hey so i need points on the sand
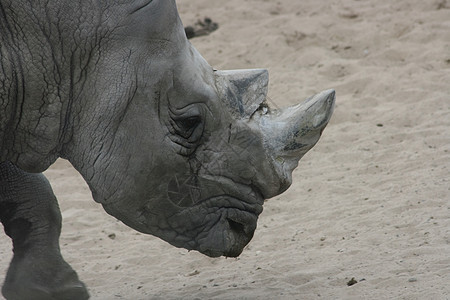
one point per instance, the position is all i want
(371, 201)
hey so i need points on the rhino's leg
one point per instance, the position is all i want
(30, 215)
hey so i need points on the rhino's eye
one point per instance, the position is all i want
(189, 128)
(188, 124)
(186, 127)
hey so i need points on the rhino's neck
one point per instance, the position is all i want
(46, 55)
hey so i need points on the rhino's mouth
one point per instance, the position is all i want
(221, 225)
(234, 226)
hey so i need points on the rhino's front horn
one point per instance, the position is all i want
(303, 123)
(292, 131)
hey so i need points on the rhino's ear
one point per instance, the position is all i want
(244, 90)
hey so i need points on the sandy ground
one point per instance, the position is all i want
(371, 201)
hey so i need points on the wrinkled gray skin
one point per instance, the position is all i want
(167, 144)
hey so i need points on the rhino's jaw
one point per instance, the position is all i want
(232, 227)
(218, 225)
(220, 221)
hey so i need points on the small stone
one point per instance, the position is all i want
(349, 15)
(352, 281)
(412, 279)
(196, 272)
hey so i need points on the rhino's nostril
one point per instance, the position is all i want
(236, 227)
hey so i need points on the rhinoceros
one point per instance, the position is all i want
(167, 144)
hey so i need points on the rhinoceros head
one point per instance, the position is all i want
(183, 151)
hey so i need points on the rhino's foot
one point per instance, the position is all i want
(31, 277)
(30, 215)
(36, 293)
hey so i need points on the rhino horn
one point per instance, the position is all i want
(293, 131)
(245, 90)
